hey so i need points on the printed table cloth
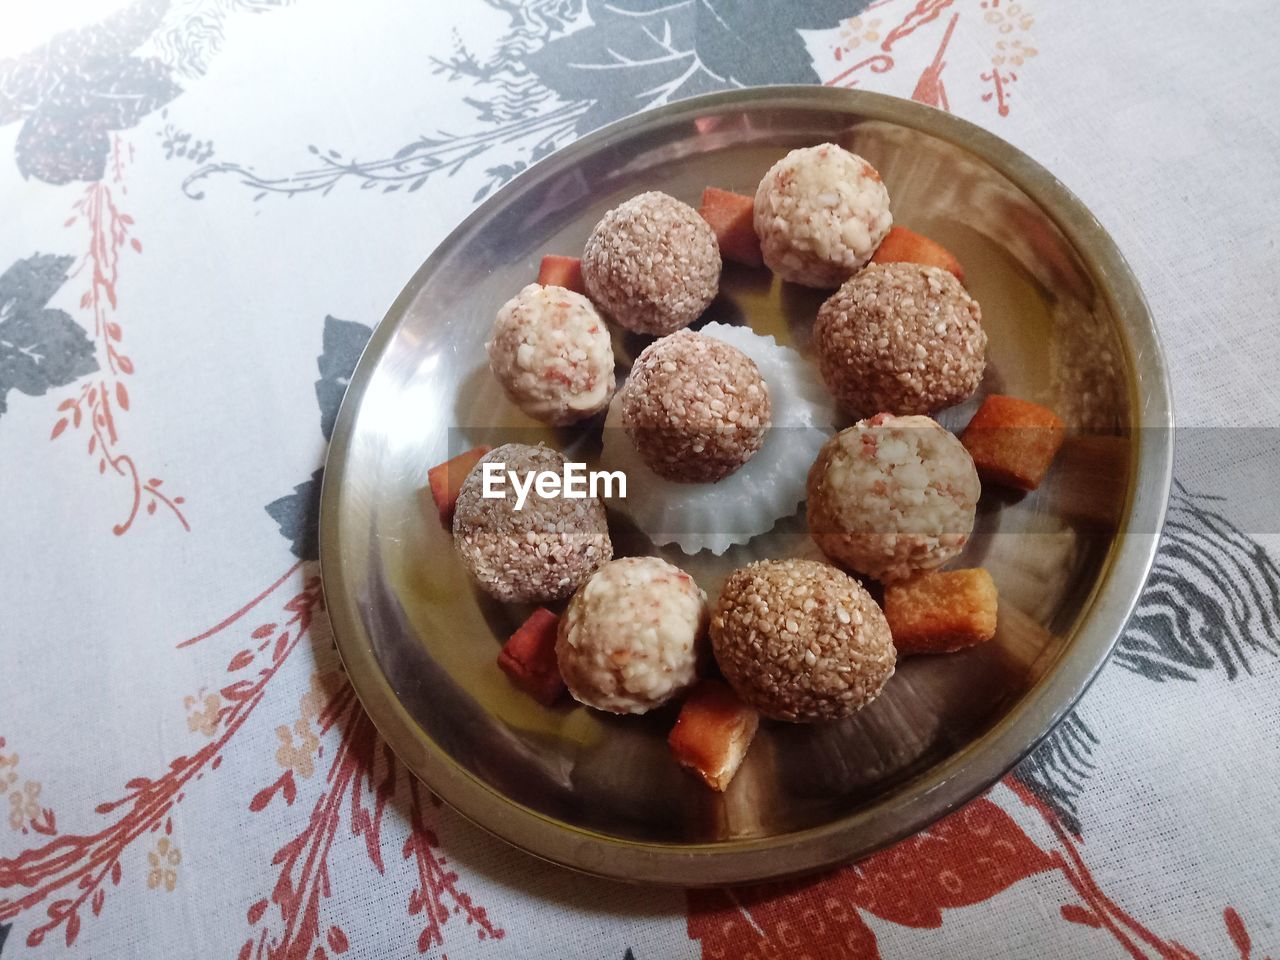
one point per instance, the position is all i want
(207, 204)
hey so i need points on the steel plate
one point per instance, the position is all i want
(1068, 326)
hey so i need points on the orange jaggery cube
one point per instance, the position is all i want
(901, 245)
(942, 611)
(732, 218)
(445, 480)
(1013, 441)
(529, 657)
(557, 271)
(713, 733)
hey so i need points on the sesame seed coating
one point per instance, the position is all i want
(695, 407)
(900, 338)
(891, 497)
(652, 264)
(552, 354)
(800, 640)
(633, 635)
(536, 554)
(820, 213)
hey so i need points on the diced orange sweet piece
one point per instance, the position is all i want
(713, 732)
(445, 480)
(566, 272)
(732, 217)
(942, 611)
(901, 245)
(1013, 441)
(529, 657)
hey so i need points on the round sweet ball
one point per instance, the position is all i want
(695, 407)
(820, 213)
(552, 354)
(652, 264)
(900, 338)
(537, 552)
(800, 640)
(633, 636)
(892, 497)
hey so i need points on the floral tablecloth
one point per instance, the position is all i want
(204, 207)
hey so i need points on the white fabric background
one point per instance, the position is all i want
(1162, 119)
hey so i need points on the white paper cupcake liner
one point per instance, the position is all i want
(748, 502)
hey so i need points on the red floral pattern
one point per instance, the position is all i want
(971, 856)
(363, 777)
(102, 398)
(83, 863)
(27, 812)
(1009, 49)
(968, 857)
(929, 88)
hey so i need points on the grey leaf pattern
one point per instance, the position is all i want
(193, 35)
(343, 342)
(1057, 770)
(1212, 602)
(40, 347)
(643, 53)
(73, 91)
(631, 58)
(298, 513)
(752, 43)
(564, 68)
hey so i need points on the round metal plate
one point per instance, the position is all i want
(1068, 327)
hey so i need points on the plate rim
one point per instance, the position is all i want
(921, 800)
